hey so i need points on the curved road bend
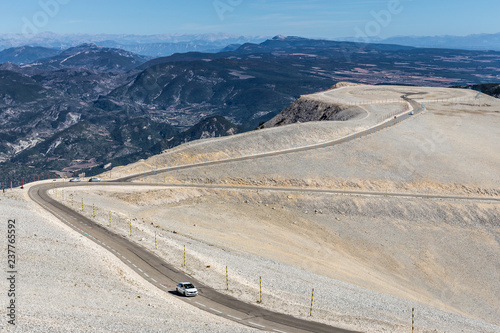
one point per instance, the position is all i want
(165, 277)
(416, 108)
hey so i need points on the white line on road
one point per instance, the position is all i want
(278, 331)
(200, 304)
(252, 323)
(146, 275)
(154, 280)
(234, 317)
(215, 310)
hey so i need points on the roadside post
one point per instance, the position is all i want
(412, 320)
(312, 302)
(260, 287)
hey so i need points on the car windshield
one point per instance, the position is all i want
(188, 286)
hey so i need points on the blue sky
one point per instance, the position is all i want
(312, 18)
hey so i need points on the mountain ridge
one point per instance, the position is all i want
(146, 45)
(26, 54)
(91, 56)
(479, 42)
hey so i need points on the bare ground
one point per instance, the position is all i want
(370, 259)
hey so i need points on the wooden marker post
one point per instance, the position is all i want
(412, 320)
(260, 286)
(312, 302)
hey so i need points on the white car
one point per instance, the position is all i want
(75, 180)
(187, 289)
(94, 179)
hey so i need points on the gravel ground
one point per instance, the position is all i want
(366, 281)
(370, 260)
(447, 134)
(361, 94)
(448, 149)
(66, 283)
(265, 140)
(447, 267)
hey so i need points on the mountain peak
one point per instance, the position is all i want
(279, 37)
(9, 66)
(85, 46)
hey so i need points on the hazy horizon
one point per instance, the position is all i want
(312, 19)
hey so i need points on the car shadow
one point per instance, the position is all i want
(175, 293)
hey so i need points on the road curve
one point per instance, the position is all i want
(165, 276)
(416, 108)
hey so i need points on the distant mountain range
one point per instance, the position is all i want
(483, 42)
(102, 106)
(91, 56)
(150, 45)
(167, 44)
(26, 54)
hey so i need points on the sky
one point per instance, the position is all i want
(313, 18)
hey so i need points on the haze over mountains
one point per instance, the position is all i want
(483, 42)
(168, 44)
(150, 45)
(99, 106)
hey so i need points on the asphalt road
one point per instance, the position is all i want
(416, 108)
(165, 277)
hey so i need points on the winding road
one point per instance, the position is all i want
(165, 276)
